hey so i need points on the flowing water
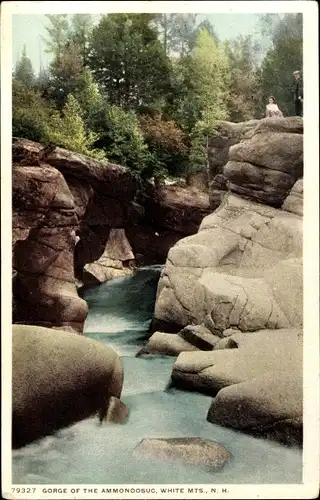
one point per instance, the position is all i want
(86, 453)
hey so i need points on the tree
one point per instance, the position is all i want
(176, 32)
(243, 78)
(285, 56)
(167, 145)
(210, 81)
(209, 75)
(58, 31)
(205, 24)
(31, 114)
(121, 138)
(69, 130)
(66, 72)
(89, 96)
(81, 29)
(128, 60)
(24, 71)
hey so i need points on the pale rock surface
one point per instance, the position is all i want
(226, 275)
(197, 452)
(169, 344)
(257, 353)
(117, 260)
(294, 201)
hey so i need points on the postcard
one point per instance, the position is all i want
(160, 250)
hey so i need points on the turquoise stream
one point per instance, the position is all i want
(86, 453)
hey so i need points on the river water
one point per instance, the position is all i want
(119, 315)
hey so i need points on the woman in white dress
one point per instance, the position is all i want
(272, 110)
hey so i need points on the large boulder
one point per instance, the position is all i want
(266, 166)
(44, 224)
(225, 135)
(168, 344)
(258, 159)
(257, 384)
(197, 452)
(59, 378)
(270, 406)
(228, 274)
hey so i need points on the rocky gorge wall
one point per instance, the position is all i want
(236, 286)
(231, 288)
(258, 169)
(76, 220)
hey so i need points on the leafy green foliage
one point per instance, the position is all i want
(69, 131)
(31, 114)
(209, 80)
(128, 60)
(121, 138)
(146, 90)
(284, 57)
(242, 62)
(166, 143)
(198, 156)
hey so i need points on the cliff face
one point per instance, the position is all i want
(216, 276)
(44, 223)
(236, 287)
(74, 217)
(258, 159)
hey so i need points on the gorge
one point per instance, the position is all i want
(228, 304)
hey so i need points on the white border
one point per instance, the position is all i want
(310, 487)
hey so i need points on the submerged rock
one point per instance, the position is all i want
(169, 344)
(197, 452)
(116, 412)
(58, 378)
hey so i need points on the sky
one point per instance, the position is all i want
(28, 29)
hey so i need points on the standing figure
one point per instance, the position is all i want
(272, 110)
(298, 94)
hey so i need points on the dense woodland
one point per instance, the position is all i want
(145, 90)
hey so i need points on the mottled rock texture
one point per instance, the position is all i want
(59, 378)
(258, 159)
(196, 452)
(77, 220)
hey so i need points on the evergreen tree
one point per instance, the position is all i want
(284, 57)
(69, 130)
(121, 138)
(58, 31)
(243, 78)
(66, 72)
(81, 29)
(24, 71)
(128, 60)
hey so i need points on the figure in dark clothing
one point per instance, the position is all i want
(298, 94)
